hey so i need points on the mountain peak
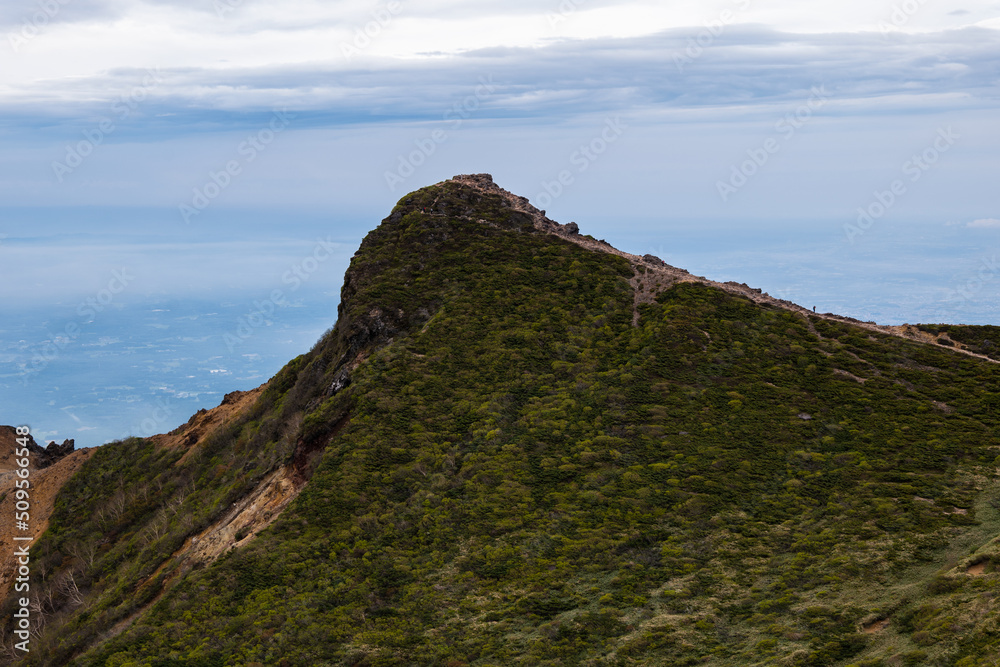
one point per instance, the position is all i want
(653, 275)
(519, 444)
(484, 183)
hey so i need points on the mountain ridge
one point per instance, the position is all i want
(646, 289)
(511, 449)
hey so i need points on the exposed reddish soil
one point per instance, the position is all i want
(977, 569)
(202, 423)
(45, 485)
(875, 626)
(260, 507)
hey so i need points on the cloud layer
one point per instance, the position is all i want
(745, 66)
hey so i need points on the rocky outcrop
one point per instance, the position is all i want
(340, 380)
(654, 260)
(40, 457)
(203, 423)
(53, 452)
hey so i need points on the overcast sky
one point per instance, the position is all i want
(167, 93)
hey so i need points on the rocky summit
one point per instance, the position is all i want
(521, 446)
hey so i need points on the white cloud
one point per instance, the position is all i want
(88, 38)
(985, 222)
(745, 65)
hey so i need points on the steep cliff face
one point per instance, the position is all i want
(519, 445)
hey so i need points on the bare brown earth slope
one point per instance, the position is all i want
(48, 477)
(45, 485)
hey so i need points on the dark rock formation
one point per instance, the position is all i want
(654, 260)
(43, 458)
(232, 397)
(340, 381)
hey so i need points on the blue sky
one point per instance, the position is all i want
(841, 154)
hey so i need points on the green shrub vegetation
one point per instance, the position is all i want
(983, 340)
(513, 473)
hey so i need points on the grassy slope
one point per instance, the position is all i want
(521, 476)
(980, 339)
